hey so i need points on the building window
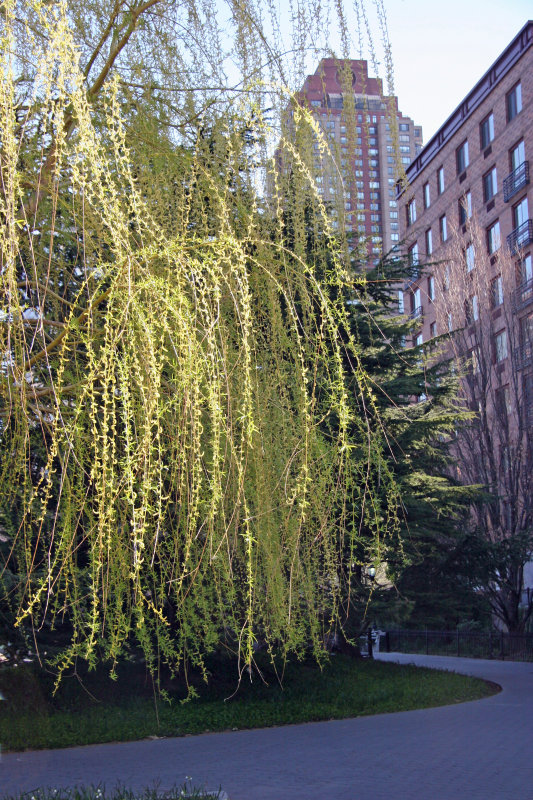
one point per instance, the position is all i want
(493, 237)
(440, 180)
(490, 185)
(496, 291)
(470, 257)
(419, 339)
(413, 255)
(517, 155)
(474, 356)
(526, 331)
(429, 242)
(433, 330)
(503, 401)
(461, 157)
(524, 273)
(520, 213)
(486, 130)
(514, 102)
(403, 126)
(401, 307)
(427, 195)
(500, 346)
(527, 394)
(431, 287)
(411, 211)
(475, 308)
(443, 225)
(416, 302)
(465, 208)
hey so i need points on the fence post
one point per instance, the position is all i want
(502, 652)
(369, 638)
(387, 642)
(427, 642)
(457, 642)
(490, 643)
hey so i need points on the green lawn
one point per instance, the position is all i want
(91, 708)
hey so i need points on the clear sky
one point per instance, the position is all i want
(441, 48)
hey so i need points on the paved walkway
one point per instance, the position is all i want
(473, 751)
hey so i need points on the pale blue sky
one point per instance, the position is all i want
(441, 49)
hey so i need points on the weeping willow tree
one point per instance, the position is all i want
(182, 460)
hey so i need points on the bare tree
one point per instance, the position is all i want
(483, 298)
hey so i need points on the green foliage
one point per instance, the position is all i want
(88, 710)
(185, 792)
(171, 356)
(416, 408)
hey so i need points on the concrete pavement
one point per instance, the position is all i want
(481, 750)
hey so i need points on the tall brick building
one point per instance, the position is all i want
(475, 166)
(466, 212)
(372, 142)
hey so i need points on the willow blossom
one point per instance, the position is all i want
(181, 461)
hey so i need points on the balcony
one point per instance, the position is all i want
(523, 356)
(523, 295)
(520, 237)
(518, 178)
(416, 312)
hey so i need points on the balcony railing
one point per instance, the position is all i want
(523, 356)
(416, 312)
(520, 237)
(523, 295)
(517, 179)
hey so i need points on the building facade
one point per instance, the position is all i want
(466, 214)
(371, 142)
(476, 167)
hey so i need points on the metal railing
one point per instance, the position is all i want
(523, 356)
(523, 295)
(515, 181)
(466, 644)
(520, 237)
(416, 312)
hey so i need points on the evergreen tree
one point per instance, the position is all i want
(416, 407)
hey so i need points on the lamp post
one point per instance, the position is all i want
(371, 573)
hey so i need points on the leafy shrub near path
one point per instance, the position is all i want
(184, 792)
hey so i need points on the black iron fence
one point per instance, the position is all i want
(468, 644)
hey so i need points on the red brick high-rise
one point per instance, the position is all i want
(373, 143)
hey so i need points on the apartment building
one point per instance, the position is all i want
(468, 197)
(474, 169)
(371, 143)
(466, 214)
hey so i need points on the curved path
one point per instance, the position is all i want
(481, 750)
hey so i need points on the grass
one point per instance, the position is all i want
(90, 708)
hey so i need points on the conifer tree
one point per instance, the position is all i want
(416, 405)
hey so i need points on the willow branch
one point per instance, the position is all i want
(59, 338)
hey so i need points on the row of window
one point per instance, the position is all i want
(517, 157)
(493, 235)
(513, 105)
(471, 307)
